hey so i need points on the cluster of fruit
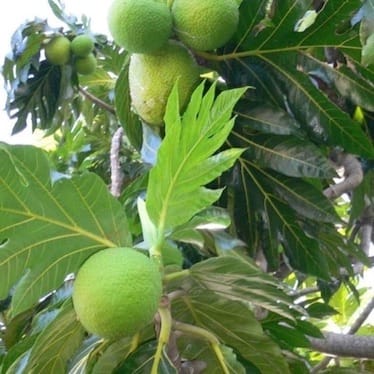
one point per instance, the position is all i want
(80, 51)
(160, 38)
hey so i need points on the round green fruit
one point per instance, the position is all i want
(139, 26)
(85, 65)
(152, 77)
(57, 51)
(205, 25)
(117, 292)
(82, 45)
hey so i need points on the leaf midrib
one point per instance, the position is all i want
(75, 229)
(173, 182)
(272, 151)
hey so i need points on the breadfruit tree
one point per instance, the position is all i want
(205, 202)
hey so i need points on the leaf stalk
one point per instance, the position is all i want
(163, 339)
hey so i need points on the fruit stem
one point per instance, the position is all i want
(176, 275)
(134, 342)
(163, 339)
(205, 335)
(155, 252)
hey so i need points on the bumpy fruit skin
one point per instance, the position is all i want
(205, 25)
(82, 45)
(85, 65)
(57, 51)
(152, 77)
(140, 26)
(117, 292)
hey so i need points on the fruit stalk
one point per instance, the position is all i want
(155, 251)
(163, 339)
(176, 275)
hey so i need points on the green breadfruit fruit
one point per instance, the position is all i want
(139, 26)
(152, 77)
(205, 25)
(82, 45)
(85, 65)
(58, 51)
(117, 292)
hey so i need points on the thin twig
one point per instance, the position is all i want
(362, 317)
(102, 104)
(304, 291)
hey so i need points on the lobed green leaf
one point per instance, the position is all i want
(186, 160)
(65, 223)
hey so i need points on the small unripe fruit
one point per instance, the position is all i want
(82, 45)
(117, 292)
(85, 65)
(57, 51)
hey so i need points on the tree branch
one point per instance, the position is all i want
(353, 175)
(304, 291)
(115, 165)
(367, 223)
(346, 345)
(102, 104)
(362, 317)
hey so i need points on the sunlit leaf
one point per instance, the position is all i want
(66, 222)
(186, 161)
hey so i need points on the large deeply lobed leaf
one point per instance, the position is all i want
(185, 160)
(48, 230)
